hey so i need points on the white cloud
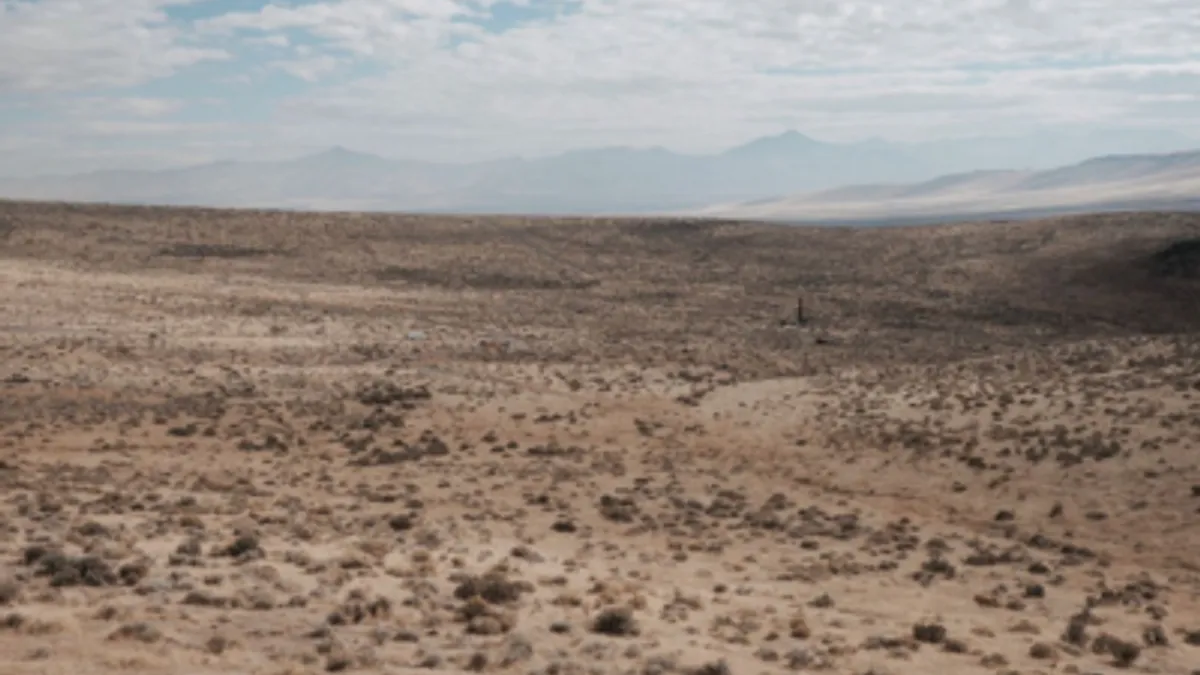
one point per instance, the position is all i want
(138, 107)
(64, 45)
(309, 68)
(704, 72)
(137, 128)
(690, 74)
(361, 27)
(276, 40)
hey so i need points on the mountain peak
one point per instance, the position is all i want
(789, 138)
(793, 136)
(616, 151)
(786, 142)
(340, 153)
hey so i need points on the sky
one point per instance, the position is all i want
(88, 84)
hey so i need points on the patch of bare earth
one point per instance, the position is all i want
(255, 442)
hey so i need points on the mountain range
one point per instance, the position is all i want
(755, 178)
(1111, 183)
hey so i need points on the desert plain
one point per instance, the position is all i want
(283, 443)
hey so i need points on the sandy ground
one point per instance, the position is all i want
(312, 451)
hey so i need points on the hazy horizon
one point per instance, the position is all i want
(1119, 142)
(148, 84)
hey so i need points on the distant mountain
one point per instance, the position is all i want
(601, 180)
(1104, 183)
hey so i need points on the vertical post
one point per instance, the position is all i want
(800, 310)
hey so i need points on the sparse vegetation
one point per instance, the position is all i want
(560, 447)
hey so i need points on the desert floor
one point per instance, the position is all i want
(251, 442)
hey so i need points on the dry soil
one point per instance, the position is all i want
(255, 442)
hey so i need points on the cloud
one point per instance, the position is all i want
(66, 45)
(277, 40)
(467, 78)
(309, 68)
(679, 70)
(137, 107)
(141, 128)
(362, 27)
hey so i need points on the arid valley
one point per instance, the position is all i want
(284, 443)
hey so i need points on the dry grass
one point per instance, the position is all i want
(290, 443)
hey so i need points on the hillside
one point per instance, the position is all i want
(298, 443)
(588, 181)
(1123, 182)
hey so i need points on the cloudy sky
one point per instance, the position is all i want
(141, 83)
